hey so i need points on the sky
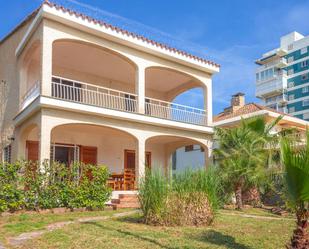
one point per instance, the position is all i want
(233, 33)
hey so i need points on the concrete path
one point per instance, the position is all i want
(256, 216)
(22, 238)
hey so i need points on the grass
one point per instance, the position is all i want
(228, 231)
(19, 223)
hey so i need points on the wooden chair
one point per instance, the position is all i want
(111, 183)
(129, 179)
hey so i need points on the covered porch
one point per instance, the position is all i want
(116, 149)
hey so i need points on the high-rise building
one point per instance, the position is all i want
(282, 78)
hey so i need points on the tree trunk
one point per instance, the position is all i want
(238, 195)
(300, 239)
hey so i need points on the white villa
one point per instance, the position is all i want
(80, 89)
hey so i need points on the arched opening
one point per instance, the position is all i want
(165, 89)
(174, 153)
(29, 143)
(30, 72)
(92, 144)
(87, 73)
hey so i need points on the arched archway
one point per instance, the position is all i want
(163, 147)
(92, 144)
(93, 64)
(30, 72)
(163, 85)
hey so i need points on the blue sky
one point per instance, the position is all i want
(232, 33)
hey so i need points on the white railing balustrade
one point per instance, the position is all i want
(89, 94)
(175, 112)
(30, 95)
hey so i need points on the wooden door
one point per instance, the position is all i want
(32, 149)
(88, 154)
(129, 159)
(148, 159)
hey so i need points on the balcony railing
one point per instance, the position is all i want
(30, 95)
(175, 112)
(85, 93)
(81, 92)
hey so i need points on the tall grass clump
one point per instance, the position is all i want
(189, 198)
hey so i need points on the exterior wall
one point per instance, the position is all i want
(9, 104)
(189, 159)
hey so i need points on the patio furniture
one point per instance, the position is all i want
(129, 179)
(117, 181)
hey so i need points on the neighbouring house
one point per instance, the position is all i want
(232, 115)
(81, 89)
(282, 77)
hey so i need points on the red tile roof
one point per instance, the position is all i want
(117, 29)
(246, 109)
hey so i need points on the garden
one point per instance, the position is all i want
(235, 203)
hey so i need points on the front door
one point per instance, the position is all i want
(129, 159)
(32, 148)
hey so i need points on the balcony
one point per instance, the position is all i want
(271, 86)
(89, 94)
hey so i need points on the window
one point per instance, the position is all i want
(292, 109)
(306, 115)
(304, 64)
(305, 89)
(291, 96)
(290, 59)
(189, 148)
(290, 47)
(257, 77)
(7, 152)
(306, 102)
(304, 77)
(304, 50)
(290, 71)
(291, 84)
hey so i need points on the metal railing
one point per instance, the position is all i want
(30, 95)
(175, 112)
(89, 94)
(81, 92)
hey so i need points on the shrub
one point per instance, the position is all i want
(11, 196)
(190, 198)
(52, 185)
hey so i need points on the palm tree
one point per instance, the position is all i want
(296, 162)
(242, 155)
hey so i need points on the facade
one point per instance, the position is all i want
(282, 78)
(238, 110)
(79, 89)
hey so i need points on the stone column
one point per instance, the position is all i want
(44, 140)
(207, 89)
(46, 62)
(140, 88)
(140, 160)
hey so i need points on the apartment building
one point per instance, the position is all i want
(81, 89)
(282, 78)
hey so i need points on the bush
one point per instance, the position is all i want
(11, 196)
(190, 198)
(25, 185)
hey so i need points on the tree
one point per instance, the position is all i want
(243, 153)
(295, 159)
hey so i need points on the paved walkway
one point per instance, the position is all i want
(255, 216)
(20, 239)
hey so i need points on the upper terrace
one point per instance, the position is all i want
(84, 62)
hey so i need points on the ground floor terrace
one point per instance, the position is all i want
(125, 147)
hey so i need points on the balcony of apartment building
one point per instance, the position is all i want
(270, 82)
(95, 76)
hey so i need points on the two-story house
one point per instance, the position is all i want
(80, 89)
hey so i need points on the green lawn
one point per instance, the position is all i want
(228, 231)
